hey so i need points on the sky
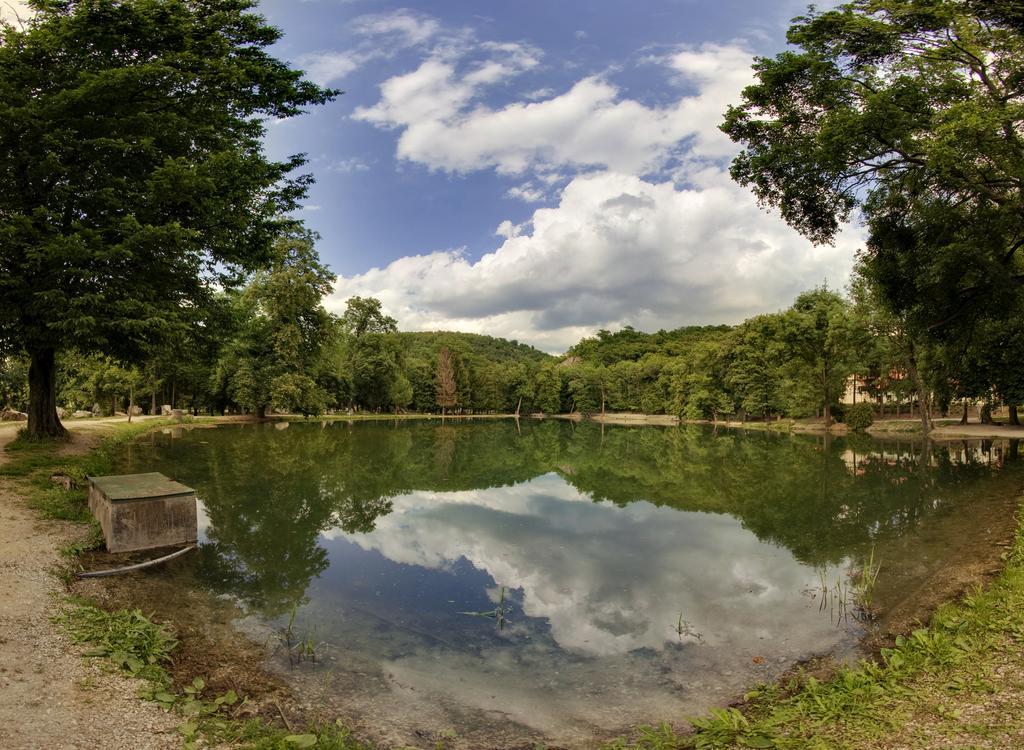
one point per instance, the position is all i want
(539, 170)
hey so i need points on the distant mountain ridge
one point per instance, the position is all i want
(628, 344)
(425, 344)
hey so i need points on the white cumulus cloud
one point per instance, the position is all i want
(406, 26)
(381, 35)
(617, 250)
(648, 229)
(589, 125)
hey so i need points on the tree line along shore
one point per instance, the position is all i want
(273, 347)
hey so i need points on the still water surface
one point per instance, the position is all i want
(641, 574)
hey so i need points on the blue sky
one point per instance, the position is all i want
(541, 169)
(371, 207)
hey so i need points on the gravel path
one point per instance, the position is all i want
(50, 696)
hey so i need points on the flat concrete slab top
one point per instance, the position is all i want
(139, 486)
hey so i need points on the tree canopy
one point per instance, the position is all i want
(907, 114)
(133, 180)
(881, 96)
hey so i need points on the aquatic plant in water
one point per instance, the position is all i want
(864, 586)
(849, 598)
(682, 627)
(299, 648)
(499, 614)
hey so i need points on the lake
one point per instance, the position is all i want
(500, 584)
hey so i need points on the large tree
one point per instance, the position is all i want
(823, 342)
(911, 113)
(445, 381)
(277, 358)
(371, 357)
(133, 179)
(883, 95)
(756, 359)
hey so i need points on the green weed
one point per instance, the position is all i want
(299, 648)
(92, 541)
(499, 614)
(864, 586)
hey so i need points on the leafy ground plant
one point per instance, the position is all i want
(128, 638)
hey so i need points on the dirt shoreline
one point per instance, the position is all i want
(950, 429)
(51, 696)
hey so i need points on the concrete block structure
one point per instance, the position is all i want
(143, 511)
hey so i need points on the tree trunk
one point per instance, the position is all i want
(152, 402)
(826, 413)
(1014, 419)
(261, 412)
(518, 404)
(131, 402)
(42, 396)
(926, 417)
(963, 417)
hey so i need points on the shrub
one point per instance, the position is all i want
(860, 416)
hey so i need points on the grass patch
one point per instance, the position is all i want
(902, 426)
(25, 440)
(141, 648)
(386, 417)
(927, 673)
(32, 462)
(93, 541)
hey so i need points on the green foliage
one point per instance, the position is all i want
(278, 349)
(423, 345)
(365, 315)
(876, 97)
(95, 379)
(132, 173)
(93, 541)
(278, 353)
(859, 416)
(908, 113)
(628, 344)
(128, 638)
(822, 340)
(548, 397)
(446, 385)
(143, 649)
(13, 383)
(755, 371)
